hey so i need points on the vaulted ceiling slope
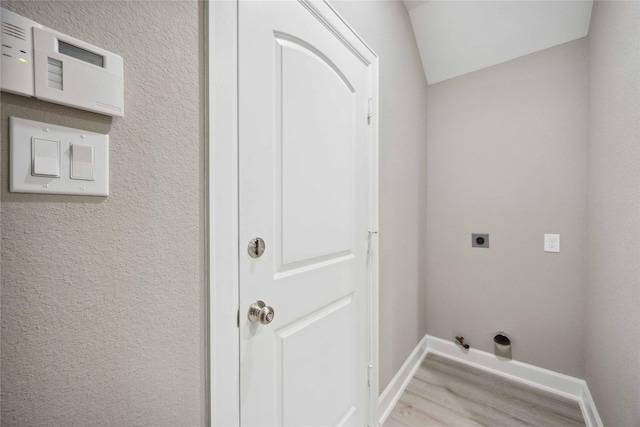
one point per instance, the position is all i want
(457, 37)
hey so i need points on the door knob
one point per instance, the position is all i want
(259, 312)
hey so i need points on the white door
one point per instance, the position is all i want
(305, 189)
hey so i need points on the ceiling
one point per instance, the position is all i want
(456, 37)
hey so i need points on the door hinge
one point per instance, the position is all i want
(238, 319)
(369, 237)
(369, 369)
(369, 110)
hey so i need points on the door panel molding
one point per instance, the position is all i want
(299, 324)
(303, 266)
(294, 42)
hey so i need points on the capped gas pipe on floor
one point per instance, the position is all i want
(460, 340)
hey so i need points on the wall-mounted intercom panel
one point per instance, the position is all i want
(38, 61)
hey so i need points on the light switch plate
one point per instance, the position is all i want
(552, 243)
(21, 134)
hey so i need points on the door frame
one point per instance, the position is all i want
(221, 179)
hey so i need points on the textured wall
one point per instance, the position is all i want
(507, 156)
(386, 27)
(613, 315)
(102, 298)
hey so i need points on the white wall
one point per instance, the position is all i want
(507, 156)
(613, 308)
(103, 298)
(385, 26)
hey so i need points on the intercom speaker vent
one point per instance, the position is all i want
(13, 31)
(55, 74)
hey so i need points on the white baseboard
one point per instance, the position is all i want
(554, 382)
(389, 397)
(589, 410)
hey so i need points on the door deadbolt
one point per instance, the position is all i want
(259, 312)
(256, 247)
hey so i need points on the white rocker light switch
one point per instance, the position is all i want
(82, 162)
(45, 158)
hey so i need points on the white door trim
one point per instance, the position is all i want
(222, 110)
(222, 231)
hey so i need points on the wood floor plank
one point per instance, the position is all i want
(446, 393)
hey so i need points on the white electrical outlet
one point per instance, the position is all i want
(552, 243)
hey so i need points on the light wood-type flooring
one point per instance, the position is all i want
(447, 393)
